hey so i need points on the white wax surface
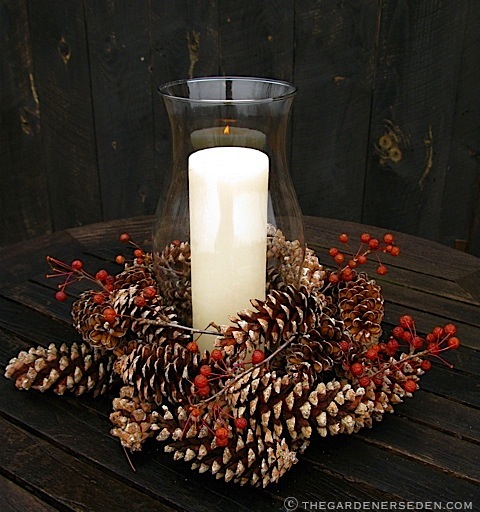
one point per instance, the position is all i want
(215, 136)
(228, 194)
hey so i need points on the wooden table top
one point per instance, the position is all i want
(57, 452)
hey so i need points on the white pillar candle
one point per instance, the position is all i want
(228, 195)
(227, 136)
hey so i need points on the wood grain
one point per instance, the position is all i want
(417, 67)
(334, 51)
(62, 78)
(122, 92)
(24, 202)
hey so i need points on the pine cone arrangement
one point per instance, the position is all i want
(309, 359)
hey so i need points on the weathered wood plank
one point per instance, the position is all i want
(456, 419)
(460, 212)
(257, 38)
(417, 66)
(438, 450)
(119, 52)
(63, 84)
(334, 50)
(13, 498)
(393, 473)
(62, 479)
(24, 204)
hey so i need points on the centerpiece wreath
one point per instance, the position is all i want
(310, 358)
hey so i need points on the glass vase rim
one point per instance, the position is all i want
(291, 90)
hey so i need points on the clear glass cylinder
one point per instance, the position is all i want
(226, 111)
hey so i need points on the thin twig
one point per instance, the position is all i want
(248, 370)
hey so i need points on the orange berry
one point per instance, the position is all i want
(109, 314)
(381, 270)
(192, 346)
(258, 356)
(453, 343)
(216, 355)
(333, 278)
(221, 433)
(60, 296)
(356, 369)
(410, 386)
(388, 238)
(240, 422)
(203, 391)
(343, 238)
(450, 329)
(77, 265)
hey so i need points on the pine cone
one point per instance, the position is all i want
(134, 419)
(159, 370)
(361, 308)
(311, 352)
(74, 369)
(130, 323)
(284, 257)
(249, 456)
(140, 275)
(281, 316)
(272, 402)
(173, 272)
(89, 321)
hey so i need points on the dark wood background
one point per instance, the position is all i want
(84, 135)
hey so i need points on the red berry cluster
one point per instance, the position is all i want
(204, 382)
(206, 390)
(348, 261)
(76, 272)
(379, 360)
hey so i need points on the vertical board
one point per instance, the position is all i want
(62, 80)
(417, 69)
(334, 49)
(184, 43)
(257, 38)
(119, 50)
(460, 217)
(24, 207)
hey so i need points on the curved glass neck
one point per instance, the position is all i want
(229, 111)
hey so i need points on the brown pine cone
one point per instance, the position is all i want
(159, 370)
(173, 270)
(131, 321)
(273, 402)
(280, 317)
(284, 257)
(140, 275)
(73, 369)
(361, 309)
(134, 419)
(247, 457)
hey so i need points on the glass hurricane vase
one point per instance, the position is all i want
(215, 112)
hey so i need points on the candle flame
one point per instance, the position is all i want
(226, 130)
